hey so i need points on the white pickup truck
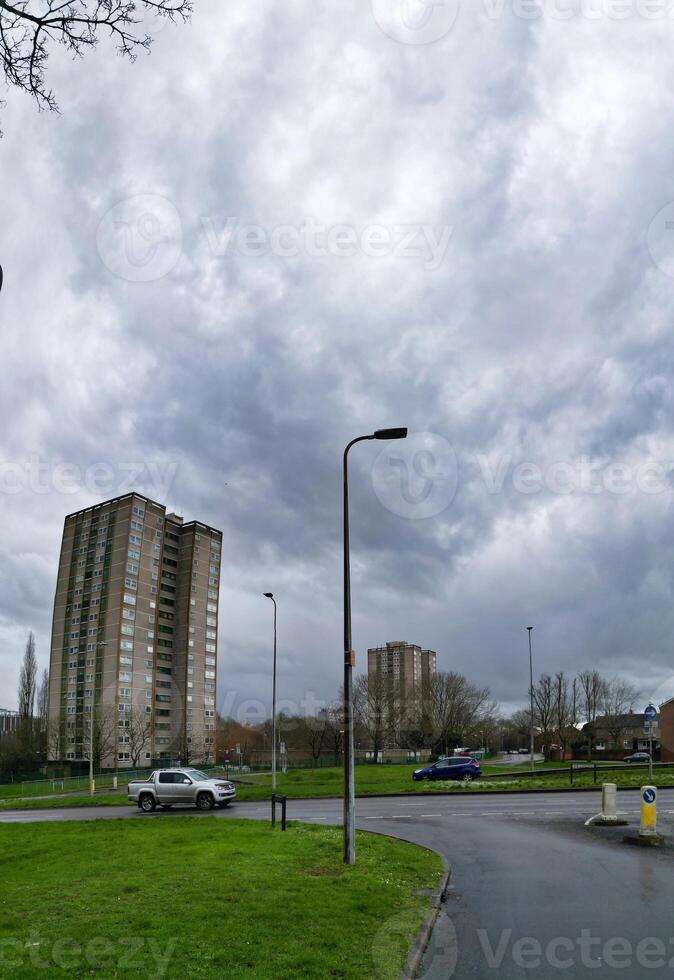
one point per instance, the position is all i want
(176, 787)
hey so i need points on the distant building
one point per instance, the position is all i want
(408, 666)
(9, 722)
(667, 731)
(624, 734)
(134, 635)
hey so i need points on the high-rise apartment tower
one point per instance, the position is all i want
(134, 637)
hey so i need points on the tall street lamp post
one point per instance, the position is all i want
(92, 784)
(531, 702)
(270, 595)
(349, 660)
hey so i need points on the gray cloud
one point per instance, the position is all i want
(543, 337)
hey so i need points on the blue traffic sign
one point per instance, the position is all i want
(650, 713)
(649, 795)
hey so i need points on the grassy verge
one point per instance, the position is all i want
(325, 783)
(206, 898)
(66, 802)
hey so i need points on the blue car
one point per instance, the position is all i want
(456, 767)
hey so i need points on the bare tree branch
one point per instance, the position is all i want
(30, 28)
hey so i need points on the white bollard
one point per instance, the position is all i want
(609, 807)
(609, 802)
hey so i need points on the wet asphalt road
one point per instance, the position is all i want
(533, 893)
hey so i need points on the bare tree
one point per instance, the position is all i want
(43, 700)
(138, 731)
(592, 691)
(104, 731)
(544, 710)
(29, 29)
(28, 680)
(455, 709)
(617, 704)
(375, 709)
(335, 728)
(312, 732)
(56, 740)
(564, 710)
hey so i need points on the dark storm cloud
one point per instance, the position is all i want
(541, 339)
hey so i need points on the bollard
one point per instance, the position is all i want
(283, 801)
(114, 782)
(609, 801)
(649, 812)
(609, 808)
(92, 787)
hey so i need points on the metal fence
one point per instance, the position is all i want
(71, 784)
(579, 768)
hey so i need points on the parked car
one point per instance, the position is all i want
(456, 767)
(176, 787)
(637, 757)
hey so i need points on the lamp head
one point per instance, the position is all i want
(269, 595)
(388, 434)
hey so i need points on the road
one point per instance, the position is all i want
(534, 894)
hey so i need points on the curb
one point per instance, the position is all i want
(416, 954)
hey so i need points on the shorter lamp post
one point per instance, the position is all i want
(531, 702)
(270, 595)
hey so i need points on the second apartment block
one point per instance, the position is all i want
(406, 665)
(134, 637)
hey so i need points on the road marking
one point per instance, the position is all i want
(430, 814)
(374, 818)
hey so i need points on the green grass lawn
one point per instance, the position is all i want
(316, 783)
(206, 898)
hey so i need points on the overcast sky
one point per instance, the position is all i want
(292, 224)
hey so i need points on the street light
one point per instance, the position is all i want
(349, 659)
(92, 784)
(531, 702)
(270, 595)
